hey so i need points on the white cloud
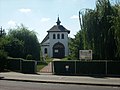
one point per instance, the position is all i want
(25, 10)
(74, 17)
(11, 23)
(45, 19)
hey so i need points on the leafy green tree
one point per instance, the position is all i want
(75, 44)
(106, 40)
(15, 48)
(3, 55)
(100, 32)
(116, 27)
(29, 38)
(3, 42)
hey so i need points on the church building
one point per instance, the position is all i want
(55, 44)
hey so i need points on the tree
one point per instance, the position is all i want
(3, 42)
(75, 44)
(15, 48)
(100, 31)
(3, 54)
(29, 39)
(116, 27)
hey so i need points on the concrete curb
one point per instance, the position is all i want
(60, 82)
(1, 77)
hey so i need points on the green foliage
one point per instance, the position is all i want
(28, 40)
(3, 42)
(15, 48)
(75, 45)
(41, 65)
(100, 32)
(3, 60)
(116, 27)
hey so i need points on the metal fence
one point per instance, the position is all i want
(86, 67)
(21, 65)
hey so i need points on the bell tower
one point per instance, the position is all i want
(56, 41)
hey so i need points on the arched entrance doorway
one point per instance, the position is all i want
(58, 50)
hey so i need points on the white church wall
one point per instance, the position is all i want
(63, 41)
(43, 51)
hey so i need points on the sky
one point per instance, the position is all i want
(41, 15)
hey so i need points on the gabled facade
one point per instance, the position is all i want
(55, 44)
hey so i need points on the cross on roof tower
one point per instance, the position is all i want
(58, 21)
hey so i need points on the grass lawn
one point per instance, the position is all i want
(40, 66)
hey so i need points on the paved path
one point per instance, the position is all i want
(80, 80)
(48, 68)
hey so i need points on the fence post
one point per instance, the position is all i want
(75, 67)
(106, 67)
(35, 66)
(52, 67)
(20, 66)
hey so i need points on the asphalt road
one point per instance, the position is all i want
(13, 85)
